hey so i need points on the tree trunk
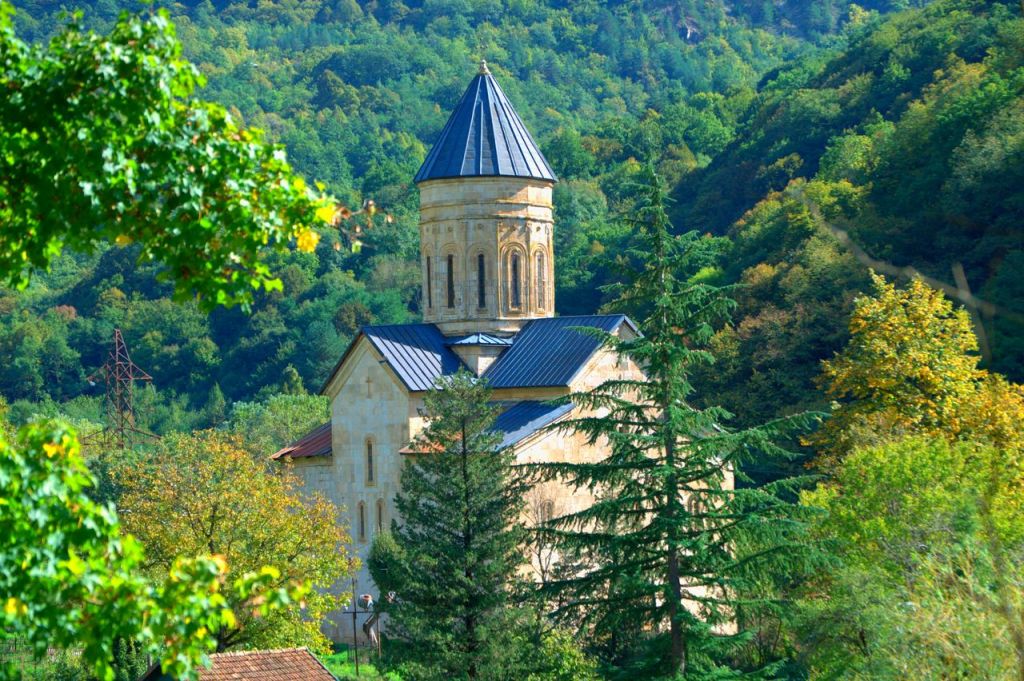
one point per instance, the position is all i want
(674, 581)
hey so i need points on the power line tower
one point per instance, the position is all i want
(119, 373)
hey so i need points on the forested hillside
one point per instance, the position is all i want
(903, 129)
(910, 139)
(814, 211)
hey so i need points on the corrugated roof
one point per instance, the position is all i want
(417, 353)
(549, 352)
(523, 419)
(545, 353)
(484, 137)
(515, 423)
(481, 339)
(317, 442)
(288, 664)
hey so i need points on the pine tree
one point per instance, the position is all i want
(670, 543)
(459, 543)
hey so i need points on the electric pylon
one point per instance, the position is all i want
(119, 373)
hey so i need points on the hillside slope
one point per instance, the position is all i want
(911, 141)
(904, 130)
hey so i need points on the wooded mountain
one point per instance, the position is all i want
(906, 130)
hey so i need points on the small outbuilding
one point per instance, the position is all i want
(287, 664)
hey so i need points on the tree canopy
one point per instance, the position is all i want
(101, 140)
(205, 493)
(73, 579)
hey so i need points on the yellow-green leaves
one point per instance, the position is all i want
(251, 517)
(909, 365)
(143, 164)
(74, 579)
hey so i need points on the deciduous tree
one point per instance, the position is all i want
(927, 579)
(101, 140)
(205, 493)
(70, 578)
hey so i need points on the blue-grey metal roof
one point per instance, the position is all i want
(523, 419)
(481, 339)
(416, 352)
(549, 352)
(483, 137)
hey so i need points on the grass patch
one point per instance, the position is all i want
(342, 664)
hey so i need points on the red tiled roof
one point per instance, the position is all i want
(286, 664)
(315, 443)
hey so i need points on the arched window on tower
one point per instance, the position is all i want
(361, 521)
(515, 295)
(430, 284)
(542, 280)
(451, 280)
(380, 515)
(481, 282)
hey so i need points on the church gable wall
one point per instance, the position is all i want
(370, 420)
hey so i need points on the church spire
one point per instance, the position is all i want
(485, 137)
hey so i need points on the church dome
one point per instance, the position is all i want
(484, 137)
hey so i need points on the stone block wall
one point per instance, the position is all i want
(498, 219)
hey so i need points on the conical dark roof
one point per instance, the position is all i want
(485, 137)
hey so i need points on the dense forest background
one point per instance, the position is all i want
(781, 128)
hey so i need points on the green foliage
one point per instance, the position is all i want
(73, 579)
(139, 161)
(269, 425)
(924, 505)
(669, 546)
(906, 136)
(457, 550)
(560, 659)
(918, 589)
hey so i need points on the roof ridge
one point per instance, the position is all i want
(264, 651)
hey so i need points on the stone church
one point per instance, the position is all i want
(487, 262)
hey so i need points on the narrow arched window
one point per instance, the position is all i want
(370, 472)
(451, 281)
(380, 515)
(481, 282)
(430, 284)
(516, 296)
(547, 511)
(362, 521)
(542, 280)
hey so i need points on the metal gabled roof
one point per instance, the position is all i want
(516, 422)
(484, 137)
(549, 352)
(316, 442)
(417, 353)
(523, 419)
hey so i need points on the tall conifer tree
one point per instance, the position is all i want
(669, 543)
(459, 543)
